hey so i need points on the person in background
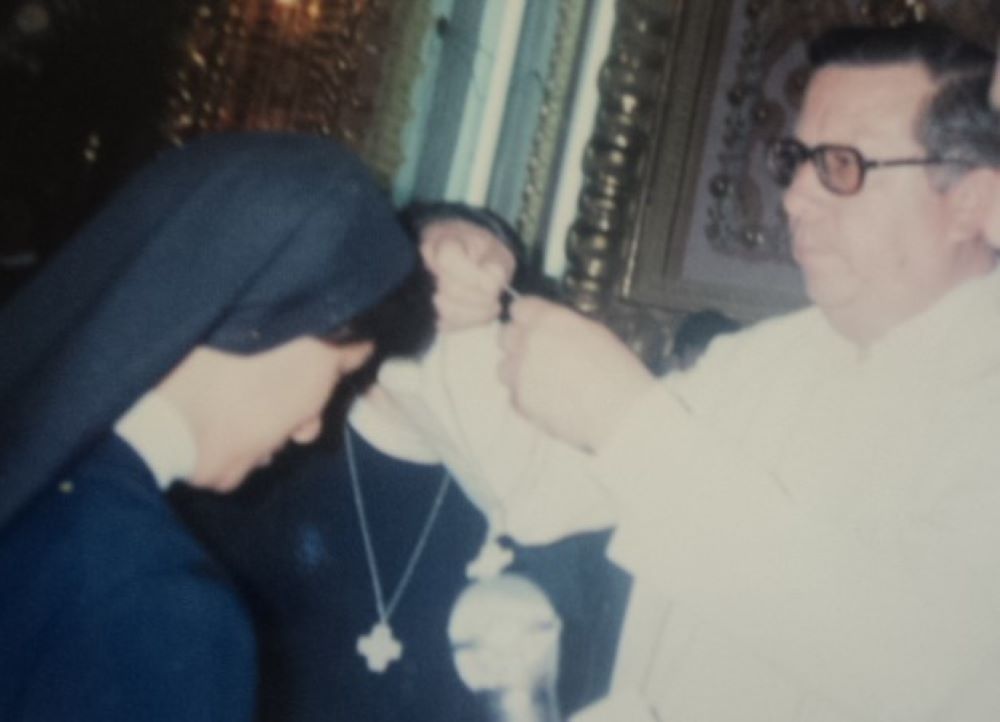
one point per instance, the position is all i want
(307, 538)
(695, 333)
(809, 513)
(194, 327)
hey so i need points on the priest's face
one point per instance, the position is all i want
(874, 257)
(243, 409)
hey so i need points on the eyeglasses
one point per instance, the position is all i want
(841, 168)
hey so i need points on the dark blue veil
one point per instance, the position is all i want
(237, 241)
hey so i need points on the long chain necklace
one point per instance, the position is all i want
(380, 647)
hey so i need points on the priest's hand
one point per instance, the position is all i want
(568, 374)
(471, 267)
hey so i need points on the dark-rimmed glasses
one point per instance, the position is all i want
(840, 168)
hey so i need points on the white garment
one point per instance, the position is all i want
(161, 436)
(815, 530)
(526, 485)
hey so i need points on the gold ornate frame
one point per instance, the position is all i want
(343, 68)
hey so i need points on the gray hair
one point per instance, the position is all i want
(961, 125)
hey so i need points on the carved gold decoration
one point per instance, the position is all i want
(306, 65)
(613, 158)
(612, 166)
(393, 107)
(542, 165)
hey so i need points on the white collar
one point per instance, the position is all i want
(388, 430)
(159, 434)
(962, 311)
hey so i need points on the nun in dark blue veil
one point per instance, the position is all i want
(240, 244)
(295, 537)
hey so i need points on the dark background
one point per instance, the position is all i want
(85, 84)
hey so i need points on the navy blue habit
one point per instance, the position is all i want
(110, 610)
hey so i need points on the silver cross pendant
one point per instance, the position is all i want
(379, 647)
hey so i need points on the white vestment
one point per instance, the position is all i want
(814, 530)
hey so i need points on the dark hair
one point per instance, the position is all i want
(422, 213)
(401, 324)
(961, 124)
(527, 279)
(940, 49)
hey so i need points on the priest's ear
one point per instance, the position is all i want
(974, 207)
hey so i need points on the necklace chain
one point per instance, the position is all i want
(385, 610)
